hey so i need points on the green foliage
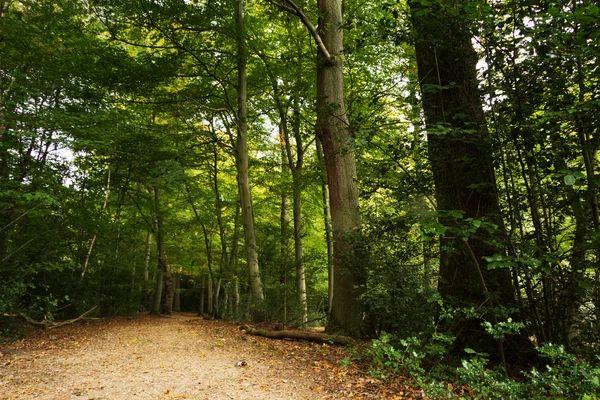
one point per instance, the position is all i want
(10, 298)
(564, 376)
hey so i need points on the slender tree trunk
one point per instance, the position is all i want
(327, 222)
(242, 161)
(237, 297)
(147, 258)
(333, 130)
(224, 268)
(217, 300)
(210, 296)
(5, 217)
(164, 274)
(233, 260)
(589, 147)
(298, 231)
(211, 277)
(284, 220)
(91, 248)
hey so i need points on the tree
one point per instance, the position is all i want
(256, 287)
(346, 314)
(461, 159)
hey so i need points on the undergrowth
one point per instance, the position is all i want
(560, 376)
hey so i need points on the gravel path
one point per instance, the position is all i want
(180, 357)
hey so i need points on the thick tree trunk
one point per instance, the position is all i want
(461, 160)
(333, 130)
(242, 162)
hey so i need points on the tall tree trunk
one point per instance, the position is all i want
(461, 160)
(284, 220)
(163, 267)
(5, 219)
(298, 231)
(224, 267)
(233, 259)
(242, 161)
(327, 222)
(333, 130)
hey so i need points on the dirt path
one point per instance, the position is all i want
(183, 357)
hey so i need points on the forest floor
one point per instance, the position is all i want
(179, 357)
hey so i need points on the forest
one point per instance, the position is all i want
(420, 174)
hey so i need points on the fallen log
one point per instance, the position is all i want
(50, 324)
(303, 335)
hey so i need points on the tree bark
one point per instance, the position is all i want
(255, 282)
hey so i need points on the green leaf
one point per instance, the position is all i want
(570, 179)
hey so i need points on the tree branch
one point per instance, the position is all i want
(292, 8)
